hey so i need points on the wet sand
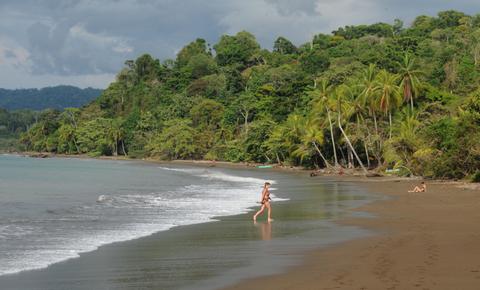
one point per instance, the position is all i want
(425, 241)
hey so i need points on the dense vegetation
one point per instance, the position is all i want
(58, 97)
(12, 124)
(369, 96)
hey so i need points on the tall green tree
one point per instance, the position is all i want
(324, 103)
(389, 95)
(344, 111)
(236, 49)
(409, 79)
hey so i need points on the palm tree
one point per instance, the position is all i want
(325, 103)
(309, 135)
(314, 135)
(66, 133)
(368, 93)
(344, 110)
(409, 79)
(389, 94)
(369, 97)
(116, 134)
(360, 112)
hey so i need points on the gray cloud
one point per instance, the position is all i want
(287, 7)
(85, 42)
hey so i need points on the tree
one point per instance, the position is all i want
(207, 114)
(193, 49)
(368, 94)
(314, 62)
(236, 49)
(200, 65)
(116, 135)
(284, 46)
(343, 112)
(312, 135)
(397, 26)
(324, 103)
(176, 141)
(409, 82)
(246, 105)
(389, 95)
(146, 67)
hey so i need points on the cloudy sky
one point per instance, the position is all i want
(85, 42)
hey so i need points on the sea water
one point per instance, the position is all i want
(54, 209)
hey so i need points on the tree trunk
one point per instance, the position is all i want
(123, 149)
(321, 155)
(278, 158)
(245, 116)
(366, 153)
(411, 102)
(351, 164)
(343, 156)
(390, 124)
(332, 137)
(367, 138)
(350, 145)
(268, 158)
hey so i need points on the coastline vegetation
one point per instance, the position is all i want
(12, 125)
(378, 96)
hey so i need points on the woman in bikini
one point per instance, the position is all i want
(265, 203)
(421, 188)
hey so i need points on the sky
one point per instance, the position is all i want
(86, 42)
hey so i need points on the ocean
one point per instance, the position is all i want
(53, 209)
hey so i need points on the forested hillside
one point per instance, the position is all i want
(58, 97)
(368, 96)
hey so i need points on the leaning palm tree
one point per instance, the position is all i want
(409, 82)
(368, 97)
(313, 135)
(344, 110)
(359, 114)
(325, 103)
(389, 94)
(309, 135)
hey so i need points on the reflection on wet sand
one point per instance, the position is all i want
(265, 229)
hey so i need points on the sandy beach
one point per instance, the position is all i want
(425, 241)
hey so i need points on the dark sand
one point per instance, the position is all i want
(426, 241)
(217, 254)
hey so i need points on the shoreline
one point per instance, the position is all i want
(211, 163)
(351, 175)
(345, 175)
(424, 241)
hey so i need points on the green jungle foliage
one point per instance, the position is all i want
(368, 96)
(12, 125)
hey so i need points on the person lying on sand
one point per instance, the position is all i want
(265, 203)
(421, 188)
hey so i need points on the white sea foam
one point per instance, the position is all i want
(208, 173)
(64, 234)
